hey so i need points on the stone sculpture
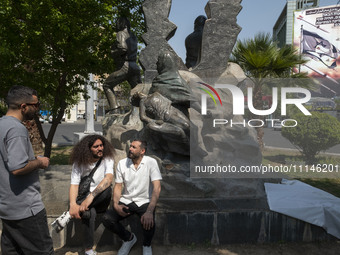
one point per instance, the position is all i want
(155, 102)
(219, 37)
(169, 85)
(124, 52)
(161, 117)
(193, 43)
(159, 31)
(169, 82)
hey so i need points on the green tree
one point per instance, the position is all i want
(313, 134)
(52, 46)
(261, 59)
(337, 101)
(3, 108)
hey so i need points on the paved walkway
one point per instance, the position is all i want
(324, 248)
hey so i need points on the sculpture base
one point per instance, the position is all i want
(186, 214)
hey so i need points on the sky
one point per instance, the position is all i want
(256, 16)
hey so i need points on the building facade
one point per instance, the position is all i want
(283, 28)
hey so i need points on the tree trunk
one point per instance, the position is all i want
(60, 103)
(35, 136)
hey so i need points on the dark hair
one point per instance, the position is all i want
(136, 98)
(81, 154)
(122, 22)
(18, 95)
(143, 143)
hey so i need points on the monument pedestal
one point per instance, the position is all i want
(185, 216)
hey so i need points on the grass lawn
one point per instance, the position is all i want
(325, 175)
(60, 155)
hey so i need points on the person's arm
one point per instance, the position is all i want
(38, 163)
(120, 47)
(142, 112)
(74, 207)
(121, 40)
(117, 192)
(103, 185)
(147, 218)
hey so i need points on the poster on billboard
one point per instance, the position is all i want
(317, 37)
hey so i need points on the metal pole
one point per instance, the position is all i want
(89, 108)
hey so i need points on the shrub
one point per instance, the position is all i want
(313, 134)
(3, 108)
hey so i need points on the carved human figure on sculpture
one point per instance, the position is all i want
(124, 53)
(156, 111)
(193, 43)
(169, 82)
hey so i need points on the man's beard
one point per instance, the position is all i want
(29, 116)
(130, 155)
(97, 156)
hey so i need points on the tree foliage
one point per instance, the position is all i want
(313, 134)
(3, 108)
(261, 60)
(52, 46)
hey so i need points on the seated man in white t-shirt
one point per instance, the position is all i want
(141, 178)
(90, 152)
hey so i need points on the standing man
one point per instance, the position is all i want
(137, 172)
(22, 211)
(93, 151)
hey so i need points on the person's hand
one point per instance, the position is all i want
(159, 122)
(84, 206)
(44, 162)
(122, 210)
(74, 211)
(147, 220)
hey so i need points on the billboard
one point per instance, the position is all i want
(317, 37)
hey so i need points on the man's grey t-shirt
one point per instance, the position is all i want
(19, 195)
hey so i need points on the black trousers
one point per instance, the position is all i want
(111, 221)
(28, 236)
(99, 205)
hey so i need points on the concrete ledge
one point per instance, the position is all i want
(205, 227)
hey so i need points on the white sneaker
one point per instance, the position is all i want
(147, 250)
(61, 221)
(126, 246)
(90, 252)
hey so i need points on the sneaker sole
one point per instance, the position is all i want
(131, 245)
(56, 226)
